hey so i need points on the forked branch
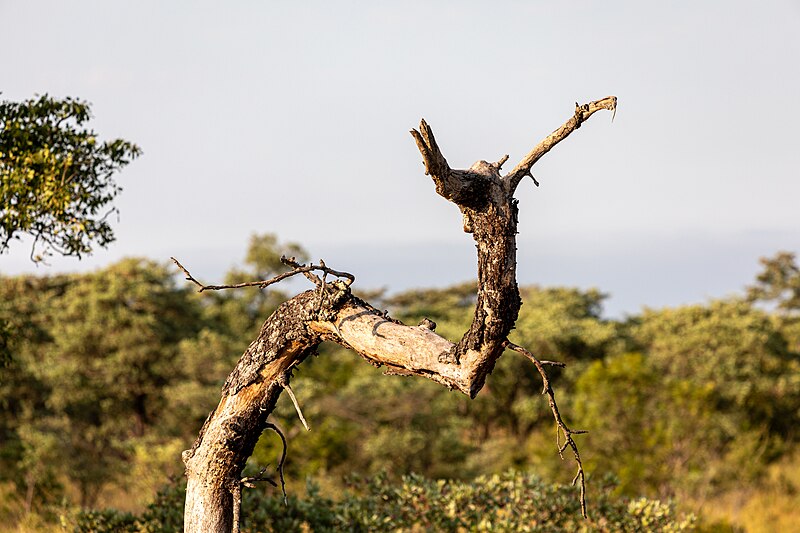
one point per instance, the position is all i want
(435, 164)
(568, 433)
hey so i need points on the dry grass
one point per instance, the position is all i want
(774, 506)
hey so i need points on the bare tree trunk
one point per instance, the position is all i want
(330, 312)
(229, 435)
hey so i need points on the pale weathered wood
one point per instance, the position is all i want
(214, 464)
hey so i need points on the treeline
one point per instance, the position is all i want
(107, 376)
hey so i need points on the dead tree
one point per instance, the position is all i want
(330, 312)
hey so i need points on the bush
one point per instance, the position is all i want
(514, 501)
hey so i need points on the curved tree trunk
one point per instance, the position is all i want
(330, 312)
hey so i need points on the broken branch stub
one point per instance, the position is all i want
(330, 312)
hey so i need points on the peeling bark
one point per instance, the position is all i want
(215, 462)
(330, 312)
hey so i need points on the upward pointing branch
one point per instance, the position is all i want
(462, 187)
(458, 186)
(582, 113)
(435, 164)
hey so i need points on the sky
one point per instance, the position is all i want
(293, 118)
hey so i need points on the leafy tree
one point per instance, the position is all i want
(565, 323)
(89, 381)
(709, 399)
(734, 348)
(56, 177)
(660, 435)
(450, 307)
(22, 393)
(110, 373)
(779, 282)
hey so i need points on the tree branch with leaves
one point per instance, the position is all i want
(57, 179)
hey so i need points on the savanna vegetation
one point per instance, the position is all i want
(106, 377)
(691, 411)
(57, 178)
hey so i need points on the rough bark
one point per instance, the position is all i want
(229, 435)
(330, 312)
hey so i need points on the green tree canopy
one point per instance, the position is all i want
(779, 282)
(56, 178)
(732, 347)
(96, 355)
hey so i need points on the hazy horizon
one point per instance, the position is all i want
(293, 119)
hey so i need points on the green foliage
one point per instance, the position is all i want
(111, 374)
(163, 515)
(263, 256)
(735, 350)
(513, 501)
(564, 324)
(778, 285)
(91, 377)
(450, 308)
(6, 336)
(648, 429)
(779, 282)
(710, 398)
(56, 178)
(106, 520)
(561, 324)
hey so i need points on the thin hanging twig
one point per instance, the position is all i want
(283, 382)
(567, 432)
(277, 430)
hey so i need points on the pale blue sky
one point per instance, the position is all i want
(293, 118)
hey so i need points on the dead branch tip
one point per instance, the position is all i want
(581, 114)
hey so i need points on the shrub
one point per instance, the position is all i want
(514, 501)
